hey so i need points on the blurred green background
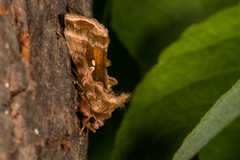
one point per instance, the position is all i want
(177, 57)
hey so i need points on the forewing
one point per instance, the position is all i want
(88, 40)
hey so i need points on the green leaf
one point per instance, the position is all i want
(218, 117)
(225, 146)
(190, 77)
(147, 27)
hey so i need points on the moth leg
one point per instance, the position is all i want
(75, 71)
(75, 81)
(84, 94)
(58, 33)
(87, 124)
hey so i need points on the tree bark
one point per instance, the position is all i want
(38, 108)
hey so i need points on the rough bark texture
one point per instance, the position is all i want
(38, 117)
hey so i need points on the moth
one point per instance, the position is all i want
(88, 42)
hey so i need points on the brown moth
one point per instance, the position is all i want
(88, 43)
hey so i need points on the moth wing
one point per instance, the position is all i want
(88, 40)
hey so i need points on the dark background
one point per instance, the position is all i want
(125, 69)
